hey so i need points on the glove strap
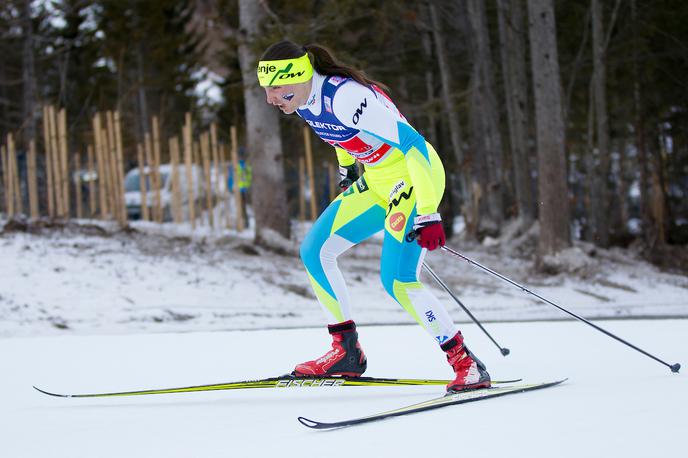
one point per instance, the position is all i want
(426, 220)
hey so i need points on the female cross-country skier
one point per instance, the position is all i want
(399, 191)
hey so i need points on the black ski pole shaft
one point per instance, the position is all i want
(504, 351)
(674, 367)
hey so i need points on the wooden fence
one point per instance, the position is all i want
(92, 185)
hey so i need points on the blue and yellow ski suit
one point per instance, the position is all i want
(403, 178)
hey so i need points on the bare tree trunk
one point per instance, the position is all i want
(600, 203)
(555, 233)
(624, 186)
(588, 157)
(430, 88)
(3, 98)
(640, 142)
(488, 142)
(143, 103)
(63, 66)
(29, 75)
(484, 225)
(452, 120)
(658, 199)
(446, 207)
(513, 54)
(120, 86)
(576, 67)
(263, 135)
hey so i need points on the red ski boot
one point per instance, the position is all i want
(470, 371)
(345, 358)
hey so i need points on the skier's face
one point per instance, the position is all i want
(289, 97)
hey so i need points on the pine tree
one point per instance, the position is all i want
(153, 57)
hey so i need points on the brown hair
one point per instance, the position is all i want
(323, 61)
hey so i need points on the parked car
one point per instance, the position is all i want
(132, 190)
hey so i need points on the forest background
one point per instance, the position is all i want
(564, 119)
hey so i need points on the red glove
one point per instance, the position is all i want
(429, 231)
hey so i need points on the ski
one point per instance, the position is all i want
(284, 381)
(435, 403)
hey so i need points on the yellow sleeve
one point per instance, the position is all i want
(427, 176)
(343, 158)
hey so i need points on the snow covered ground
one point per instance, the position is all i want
(87, 309)
(616, 403)
(88, 281)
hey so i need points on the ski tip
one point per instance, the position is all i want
(309, 423)
(49, 393)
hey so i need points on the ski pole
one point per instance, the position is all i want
(505, 351)
(674, 367)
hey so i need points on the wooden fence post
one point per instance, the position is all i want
(113, 173)
(150, 177)
(188, 158)
(7, 182)
(48, 162)
(225, 194)
(155, 173)
(205, 154)
(57, 168)
(109, 141)
(64, 161)
(14, 170)
(237, 175)
(33, 184)
(77, 185)
(100, 162)
(91, 183)
(196, 152)
(120, 170)
(176, 192)
(143, 183)
(215, 166)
